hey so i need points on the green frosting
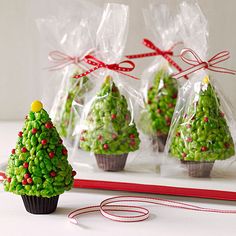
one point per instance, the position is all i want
(38, 166)
(161, 101)
(110, 129)
(202, 133)
(66, 117)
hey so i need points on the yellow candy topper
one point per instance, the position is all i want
(206, 80)
(36, 106)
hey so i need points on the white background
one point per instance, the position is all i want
(20, 63)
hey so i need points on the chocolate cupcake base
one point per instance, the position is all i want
(40, 205)
(159, 142)
(198, 169)
(111, 162)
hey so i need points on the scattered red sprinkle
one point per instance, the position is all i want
(177, 134)
(167, 118)
(20, 134)
(227, 145)
(168, 122)
(99, 137)
(132, 136)
(159, 133)
(9, 180)
(222, 114)
(82, 139)
(73, 173)
(113, 116)
(114, 89)
(189, 139)
(149, 102)
(159, 110)
(48, 125)
(132, 143)
(24, 182)
(205, 119)
(26, 176)
(170, 105)
(105, 146)
(23, 150)
(13, 151)
(114, 136)
(29, 180)
(53, 173)
(51, 154)
(25, 165)
(175, 96)
(34, 131)
(204, 148)
(184, 154)
(188, 126)
(44, 142)
(64, 151)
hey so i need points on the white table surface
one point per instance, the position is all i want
(14, 220)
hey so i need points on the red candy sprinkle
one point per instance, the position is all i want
(174, 96)
(167, 118)
(227, 145)
(34, 131)
(53, 173)
(205, 119)
(204, 148)
(127, 116)
(29, 180)
(159, 111)
(170, 105)
(23, 150)
(177, 134)
(189, 139)
(222, 114)
(13, 151)
(25, 165)
(114, 136)
(82, 139)
(51, 154)
(132, 143)
(184, 154)
(26, 176)
(20, 134)
(100, 137)
(48, 125)
(73, 173)
(64, 152)
(44, 142)
(149, 102)
(9, 180)
(188, 126)
(113, 116)
(132, 136)
(24, 182)
(105, 146)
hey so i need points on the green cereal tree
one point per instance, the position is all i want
(38, 165)
(160, 105)
(110, 129)
(202, 135)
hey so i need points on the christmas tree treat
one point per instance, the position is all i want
(110, 132)
(202, 135)
(161, 101)
(38, 168)
(64, 115)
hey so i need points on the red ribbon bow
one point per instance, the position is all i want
(100, 64)
(197, 63)
(158, 52)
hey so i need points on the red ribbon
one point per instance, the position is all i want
(197, 63)
(113, 205)
(100, 64)
(158, 52)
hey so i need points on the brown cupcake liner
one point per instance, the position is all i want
(198, 169)
(159, 142)
(111, 162)
(40, 205)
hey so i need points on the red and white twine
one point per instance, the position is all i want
(138, 213)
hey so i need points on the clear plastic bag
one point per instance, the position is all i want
(107, 127)
(200, 138)
(70, 36)
(159, 89)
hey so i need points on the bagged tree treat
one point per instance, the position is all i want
(107, 128)
(200, 135)
(38, 168)
(70, 36)
(159, 88)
